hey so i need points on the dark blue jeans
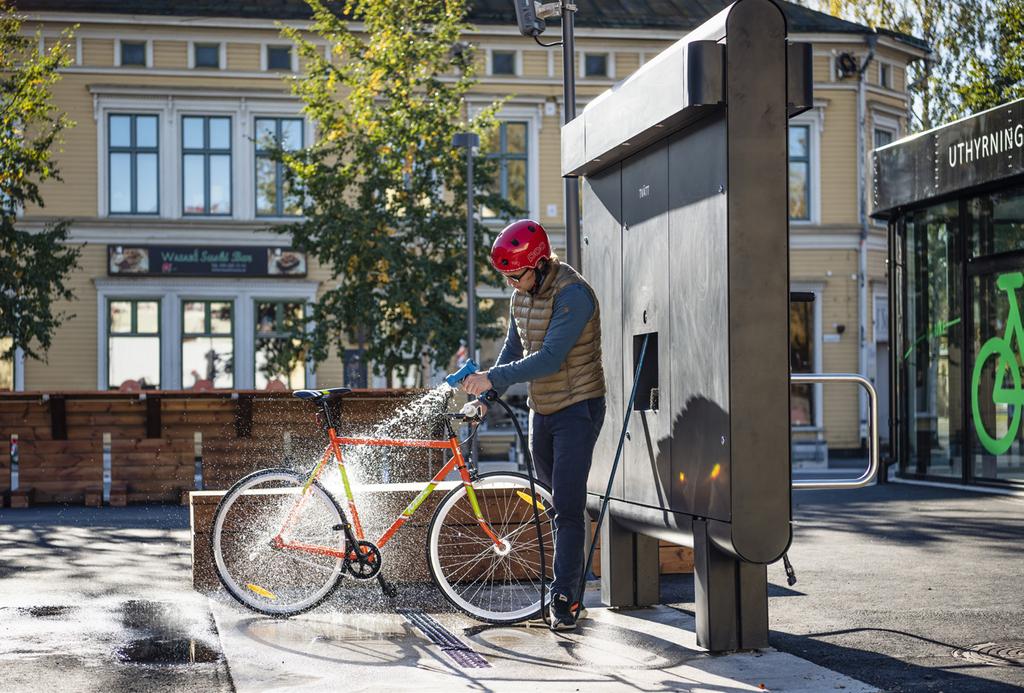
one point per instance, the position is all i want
(562, 445)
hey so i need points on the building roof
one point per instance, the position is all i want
(681, 15)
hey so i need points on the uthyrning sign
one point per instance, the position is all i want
(982, 149)
(991, 144)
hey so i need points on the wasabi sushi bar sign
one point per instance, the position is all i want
(205, 261)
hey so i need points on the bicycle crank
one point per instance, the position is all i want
(364, 561)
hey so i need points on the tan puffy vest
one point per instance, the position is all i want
(580, 376)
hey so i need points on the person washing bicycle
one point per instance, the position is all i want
(554, 345)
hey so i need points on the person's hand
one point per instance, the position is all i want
(477, 383)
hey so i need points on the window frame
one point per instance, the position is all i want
(278, 302)
(208, 334)
(609, 65)
(278, 167)
(134, 334)
(193, 46)
(133, 150)
(817, 343)
(503, 156)
(517, 62)
(147, 52)
(17, 370)
(813, 119)
(265, 57)
(206, 152)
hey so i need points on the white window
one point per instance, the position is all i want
(207, 55)
(803, 144)
(805, 357)
(206, 165)
(274, 197)
(885, 75)
(508, 145)
(503, 62)
(279, 57)
(197, 333)
(201, 159)
(133, 157)
(133, 53)
(597, 65)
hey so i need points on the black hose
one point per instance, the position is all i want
(611, 477)
(492, 396)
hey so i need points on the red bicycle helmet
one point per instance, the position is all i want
(520, 245)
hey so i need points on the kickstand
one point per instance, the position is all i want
(386, 587)
(790, 573)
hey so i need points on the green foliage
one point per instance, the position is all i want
(385, 190)
(957, 31)
(33, 263)
(996, 75)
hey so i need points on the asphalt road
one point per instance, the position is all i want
(902, 587)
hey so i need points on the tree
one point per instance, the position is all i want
(955, 30)
(33, 263)
(996, 75)
(384, 189)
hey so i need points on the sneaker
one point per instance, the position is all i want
(583, 611)
(561, 613)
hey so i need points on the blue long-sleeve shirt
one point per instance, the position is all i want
(571, 310)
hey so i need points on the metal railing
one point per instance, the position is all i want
(868, 476)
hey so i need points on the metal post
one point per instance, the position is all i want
(470, 140)
(471, 261)
(572, 188)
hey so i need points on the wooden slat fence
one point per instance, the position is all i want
(153, 438)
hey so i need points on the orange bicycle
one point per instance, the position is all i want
(281, 541)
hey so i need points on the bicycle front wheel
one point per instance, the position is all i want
(259, 572)
(491, 582)
(990, 391)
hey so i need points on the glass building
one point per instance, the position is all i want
(954, 201)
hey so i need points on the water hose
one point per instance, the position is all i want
(611, 478)
(492, 396)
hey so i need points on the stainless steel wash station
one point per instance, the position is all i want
(686, 238)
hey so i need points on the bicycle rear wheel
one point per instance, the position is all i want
(491, 583)
(267, 579)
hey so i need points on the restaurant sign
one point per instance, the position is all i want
(981, 149)
(205, 261)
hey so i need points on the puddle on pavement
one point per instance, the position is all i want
(168, 634)
(47, 611)
(167, 652)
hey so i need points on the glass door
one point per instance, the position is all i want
(931, 355)
(995, 396)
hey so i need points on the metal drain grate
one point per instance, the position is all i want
(456, 649)
(1003, 654)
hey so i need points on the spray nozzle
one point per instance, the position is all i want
(458, 376)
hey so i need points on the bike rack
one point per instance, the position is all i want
(868, 476)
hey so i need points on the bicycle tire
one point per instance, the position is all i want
(504, 500)
(998, 347)
(236, 584)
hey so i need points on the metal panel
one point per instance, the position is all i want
(645, 309)
(758, 282)
(699, 330)
(602, 256)
(799, 78)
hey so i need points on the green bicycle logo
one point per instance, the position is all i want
(1006, 361)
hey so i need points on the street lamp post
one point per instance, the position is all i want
(470, 141)
(530, 16)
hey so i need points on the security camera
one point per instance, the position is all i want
(526, 14)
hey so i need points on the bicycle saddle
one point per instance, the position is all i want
(329, 393)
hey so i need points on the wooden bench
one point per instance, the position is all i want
(118, 496)
(22, 497)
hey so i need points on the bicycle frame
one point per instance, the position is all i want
(333, 449)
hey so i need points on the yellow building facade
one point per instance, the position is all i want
(166, 189)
